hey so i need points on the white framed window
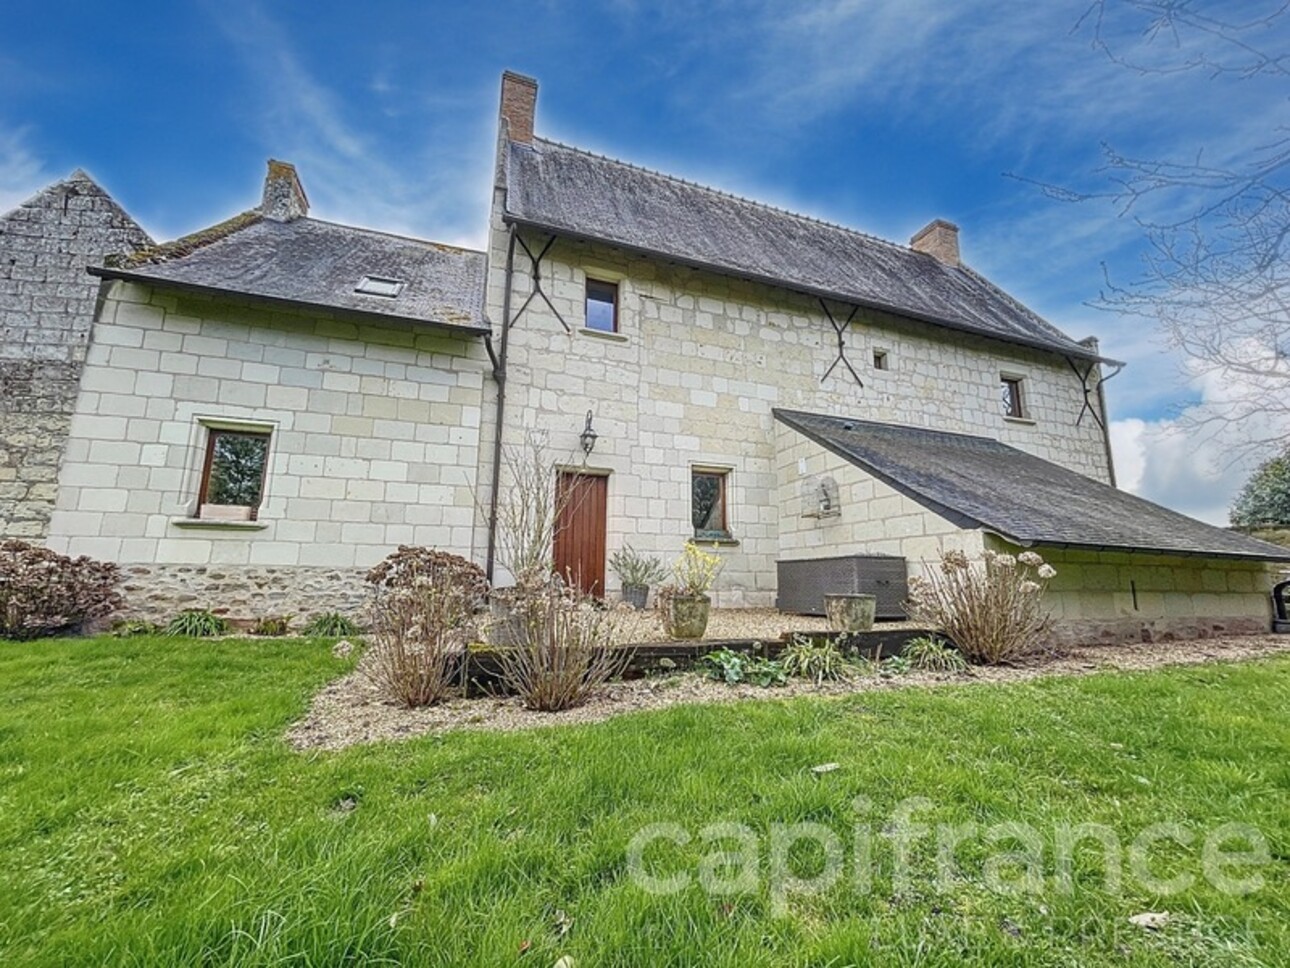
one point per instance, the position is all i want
(710, 503)
(233, 469)
(601, 305)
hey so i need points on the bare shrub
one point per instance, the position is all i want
(43, 592)
(422, 623)
(554, 642)
(991, 609)
(528, 511)
(564, 653)
(414, 565)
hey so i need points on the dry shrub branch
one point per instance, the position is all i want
(991, 609)
(422, 622)
(43, 592)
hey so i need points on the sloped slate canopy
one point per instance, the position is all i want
(976, 482)
(572, 192)
(308, 262)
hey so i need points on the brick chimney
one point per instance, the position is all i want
(519, 101)
(940, 240)
(284, 198)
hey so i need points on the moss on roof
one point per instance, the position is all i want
(188, 244)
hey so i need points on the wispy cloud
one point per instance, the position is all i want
(347, 170)
(22, 174)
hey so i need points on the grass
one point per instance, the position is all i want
(152, 815)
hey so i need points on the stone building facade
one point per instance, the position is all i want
(369, 404)
(271, 405)
(699, 359)
(47, 309)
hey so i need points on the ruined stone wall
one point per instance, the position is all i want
(47, 304)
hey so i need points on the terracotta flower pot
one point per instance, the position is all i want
(637, 596)
(690, 616)
(850, 613)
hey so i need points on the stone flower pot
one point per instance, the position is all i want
(689, 615)
(850, 613)
(637, 596)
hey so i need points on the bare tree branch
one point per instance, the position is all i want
(1216, 278)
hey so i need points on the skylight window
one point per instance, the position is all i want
(379, 286)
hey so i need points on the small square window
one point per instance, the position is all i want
(602, 306)
(1010, 397)
(708, 504)
(880, 359)
(233, 475)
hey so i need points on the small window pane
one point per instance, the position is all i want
(1010, 397)
(379, 286)
(879, 359)
(708, 504)
(602, 306)
(235, 472)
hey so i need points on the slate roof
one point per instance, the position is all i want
(976, 482)
(312, 263)
(573, 192)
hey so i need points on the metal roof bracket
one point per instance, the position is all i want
(1087, 406)
(536, 261)
(842, 345)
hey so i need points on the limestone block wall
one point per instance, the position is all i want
(374, 436)
(872, 518)
(698, 365)
(1117, 596)
(47, 302)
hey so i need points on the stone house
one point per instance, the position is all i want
(707, 334)
(271, 405)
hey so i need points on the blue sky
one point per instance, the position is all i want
(879, 115)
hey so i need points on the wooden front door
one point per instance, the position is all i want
(580, 530)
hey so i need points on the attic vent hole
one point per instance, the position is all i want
(379, 286)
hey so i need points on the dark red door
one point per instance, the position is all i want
(580, 530)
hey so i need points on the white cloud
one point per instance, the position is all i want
(21, 173)
(349, 174)
(1192, 470)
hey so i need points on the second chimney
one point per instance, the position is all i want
(519, 102)
(940, 240)
(284, 197)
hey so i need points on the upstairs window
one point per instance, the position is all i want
(880, 359)
(1010, 397)
(233, 475)
(708, 504)
(602, 306)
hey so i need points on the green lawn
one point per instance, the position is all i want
(152, 815)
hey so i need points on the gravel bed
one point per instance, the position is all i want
(764, 624)
(349, 711)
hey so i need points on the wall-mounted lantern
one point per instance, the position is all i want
(588, 437)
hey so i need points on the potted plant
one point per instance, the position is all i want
(636, 573)
(695, 572)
